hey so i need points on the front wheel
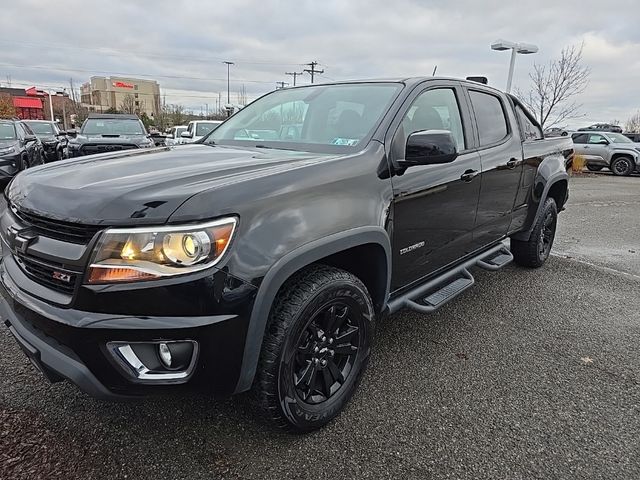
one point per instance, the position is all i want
(622, 166)
(535, 251)
(316, 348)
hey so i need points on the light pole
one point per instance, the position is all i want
(228, 66)
(523, 48)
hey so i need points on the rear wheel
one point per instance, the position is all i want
(622, 166)
(594, 168)
(316, 348)
(535, 251)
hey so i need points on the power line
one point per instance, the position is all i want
(312, 70)
(294, 74)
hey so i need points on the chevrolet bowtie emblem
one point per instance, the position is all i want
(18, 239)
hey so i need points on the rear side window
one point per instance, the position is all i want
(530, 130)
(490, 118)
(580, 138)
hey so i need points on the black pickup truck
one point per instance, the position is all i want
(262, 256)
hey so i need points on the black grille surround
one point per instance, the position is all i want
(58, 229)
(50, 275)
(91, 148)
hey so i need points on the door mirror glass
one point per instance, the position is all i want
(428, 147)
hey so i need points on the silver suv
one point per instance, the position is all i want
(608, 149)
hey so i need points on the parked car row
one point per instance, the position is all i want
(20, 148)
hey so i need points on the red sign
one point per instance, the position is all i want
(122, 85)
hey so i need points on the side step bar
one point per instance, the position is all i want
(430, 296)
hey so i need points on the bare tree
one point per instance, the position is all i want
(554, 87)
(6, 107)
(633, 124)
(128, 104)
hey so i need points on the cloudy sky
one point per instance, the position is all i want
(182, 44)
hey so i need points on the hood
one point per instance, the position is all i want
(7, 143)
(142, 187)
(626, 145)
(47, 138)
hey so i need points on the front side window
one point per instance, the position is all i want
(435, 109)
(490, 118)
(325, 119)
(112, 126)
(597, 139)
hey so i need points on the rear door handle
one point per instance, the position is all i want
(469, 175)
(512, 163)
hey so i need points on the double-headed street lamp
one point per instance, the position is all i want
(524, 48)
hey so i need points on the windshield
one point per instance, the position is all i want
(7, 131)
(324, 119)
(619, 138)
(41, 128)
(204, 128)
(112, 126)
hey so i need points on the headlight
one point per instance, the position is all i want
(7, 151)
(147, 253)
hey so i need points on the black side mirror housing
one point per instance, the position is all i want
(429, 147)
(30, 138)
(72, 132)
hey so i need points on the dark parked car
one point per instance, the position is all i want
(601, 127)
(634, 137)
(19, 147)
(262, 257)
(54, 141)
(102, 133)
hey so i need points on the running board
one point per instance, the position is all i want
(430, 296)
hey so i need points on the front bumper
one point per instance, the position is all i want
(66, 343)
(8, 165)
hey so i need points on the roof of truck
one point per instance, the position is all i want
(113, 115)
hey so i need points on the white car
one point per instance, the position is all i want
(173, 137)
(198, 129)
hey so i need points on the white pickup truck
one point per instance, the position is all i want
(608, 149)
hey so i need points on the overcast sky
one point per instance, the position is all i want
(182, 44)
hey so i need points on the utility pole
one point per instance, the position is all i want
(312, 70)
(294, 75)
(228, 94)
(280, 85)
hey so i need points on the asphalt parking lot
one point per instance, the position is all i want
(530, 374)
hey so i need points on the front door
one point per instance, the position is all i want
(434, 205)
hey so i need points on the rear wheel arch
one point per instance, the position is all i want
(334, 250)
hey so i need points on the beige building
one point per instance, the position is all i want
(128, 95)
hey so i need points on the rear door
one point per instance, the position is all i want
(500, 149)
(434, 205)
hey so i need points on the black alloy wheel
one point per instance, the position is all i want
(315, 349)
(547, 234)
(326, 352)
(622, 166)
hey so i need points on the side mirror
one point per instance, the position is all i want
(30, 138)
(62, 133)
(186, 135)
(603, 142)
(428, 147)
(72, 133)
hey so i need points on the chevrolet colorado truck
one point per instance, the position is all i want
(261, 257)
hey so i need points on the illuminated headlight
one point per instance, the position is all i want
(147, 253)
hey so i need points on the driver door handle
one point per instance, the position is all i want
(469, 175)
(512, 163)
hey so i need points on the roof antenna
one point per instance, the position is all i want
(434, 71)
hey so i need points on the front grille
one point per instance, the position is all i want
(58, 229)
(90, 148)
(49, 275)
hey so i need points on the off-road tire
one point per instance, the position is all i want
(622, 166)
(535, 251)
(297, 308)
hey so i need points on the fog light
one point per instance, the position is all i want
(165, 354)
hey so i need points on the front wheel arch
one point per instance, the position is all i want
(285, 268)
